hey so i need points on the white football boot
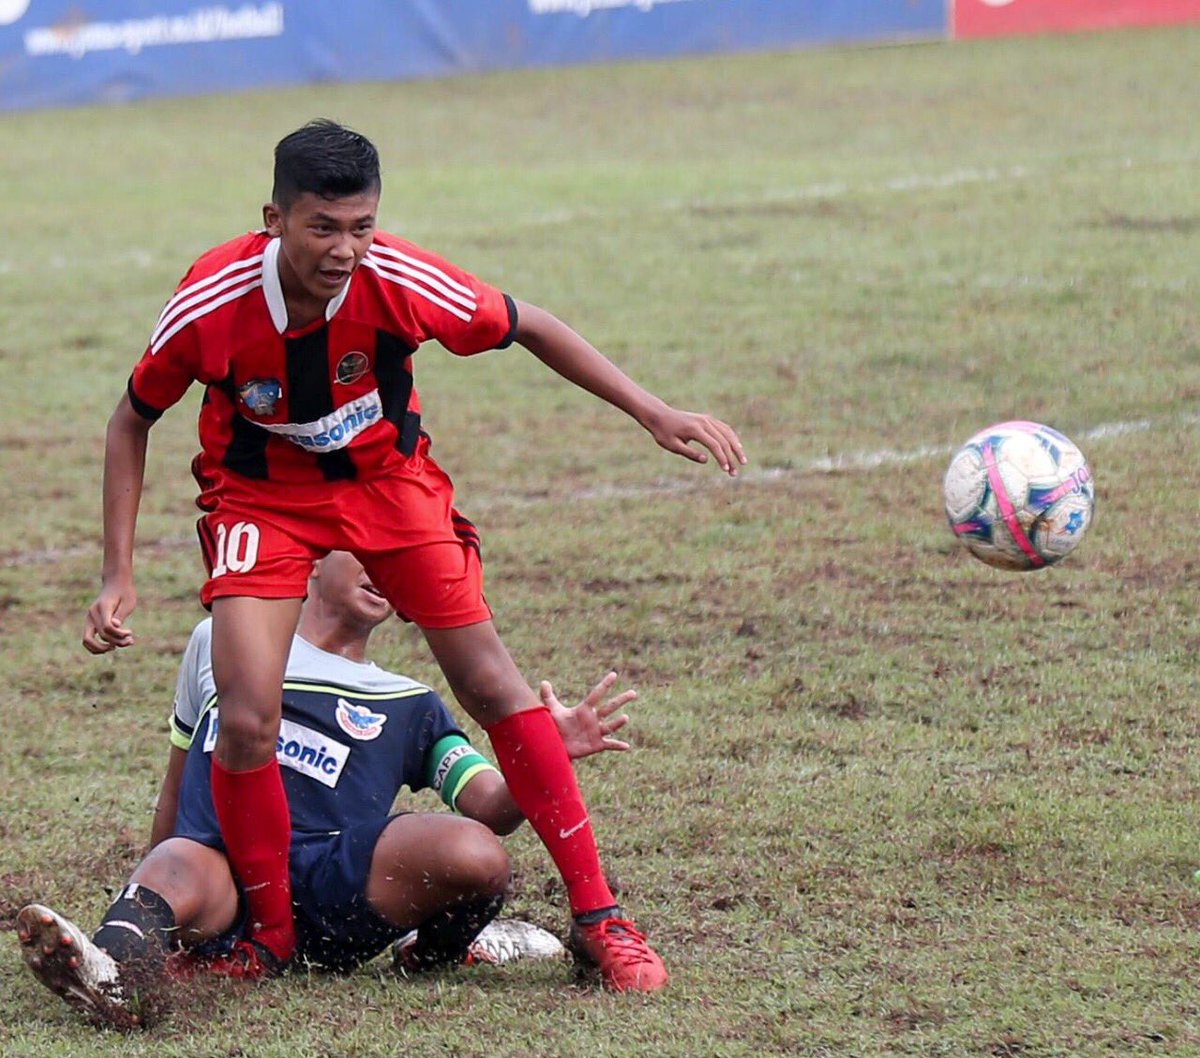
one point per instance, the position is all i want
(64, 959)
(501, 940)
(508, 939)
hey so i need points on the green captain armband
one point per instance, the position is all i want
(454, 762)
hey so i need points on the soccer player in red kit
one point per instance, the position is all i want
(310, 431)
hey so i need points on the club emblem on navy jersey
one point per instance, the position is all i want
(261, 395)
(359, 722)
(351, 367)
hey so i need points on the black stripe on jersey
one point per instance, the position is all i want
(507, 340)
(466, 532)
(310, 394)
(395, 389)
(208, 546)
(246, 452)
(146, 411)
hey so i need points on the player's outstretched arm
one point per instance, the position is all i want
(167, 807)
(590, 726)
(577, 360)
(486, 799)
(124, 470)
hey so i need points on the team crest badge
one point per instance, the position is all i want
(351, 367)
(261, 395)
(359, 722)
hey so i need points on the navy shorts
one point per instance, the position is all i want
(336, 929)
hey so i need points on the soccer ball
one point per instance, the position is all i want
(1019, 495)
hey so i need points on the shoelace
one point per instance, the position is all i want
(624, 940)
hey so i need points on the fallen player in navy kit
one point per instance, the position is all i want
(363, 878)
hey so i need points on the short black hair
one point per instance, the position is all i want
(324, 158)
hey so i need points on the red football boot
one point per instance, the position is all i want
(620, 952)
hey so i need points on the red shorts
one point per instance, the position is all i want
(260, 539)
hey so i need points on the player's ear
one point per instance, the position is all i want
(273, 220)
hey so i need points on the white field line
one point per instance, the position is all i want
(749, 476)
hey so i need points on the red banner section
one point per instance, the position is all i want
(988, 18)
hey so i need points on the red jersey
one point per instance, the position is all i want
(330, 401)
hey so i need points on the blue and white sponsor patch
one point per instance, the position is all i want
(335, 430)
(300, 748)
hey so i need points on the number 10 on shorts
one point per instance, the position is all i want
(237, 548)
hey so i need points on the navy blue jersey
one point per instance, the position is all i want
(351, 736)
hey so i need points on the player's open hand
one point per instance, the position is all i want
(105, 627)
(680, 431)
(589, 727)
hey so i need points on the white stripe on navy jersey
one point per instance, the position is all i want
(382, 269)
(192, 295)
(204, 310)
(435, 276)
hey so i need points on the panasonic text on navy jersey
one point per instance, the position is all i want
(300, 748)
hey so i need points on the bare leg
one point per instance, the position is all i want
(423, 863)
(198, 884)
(115, 977)
(444, 875)
(530, 752)
(251, 639)
(250, 643)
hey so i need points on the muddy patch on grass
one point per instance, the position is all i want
(1179, 224)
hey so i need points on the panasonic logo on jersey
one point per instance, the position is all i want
(336, 430)
(300, 748)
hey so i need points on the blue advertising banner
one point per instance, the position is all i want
(63, 52)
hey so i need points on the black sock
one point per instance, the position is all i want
(588, 918)
(139, 925)
(443, 939)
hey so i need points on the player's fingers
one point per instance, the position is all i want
(615, 703)
(701, 430)
(681, 448)
(546, 691)
(93, 642)
(719, 444)
(114, 632)
(615, 743)
(615, 724)
(599, 691)
(731, 437)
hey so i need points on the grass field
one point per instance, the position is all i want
(883, 800)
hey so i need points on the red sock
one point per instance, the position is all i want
(542, 782)
(256, 827)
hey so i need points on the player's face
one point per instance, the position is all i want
(322, 241)
(343, 586)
